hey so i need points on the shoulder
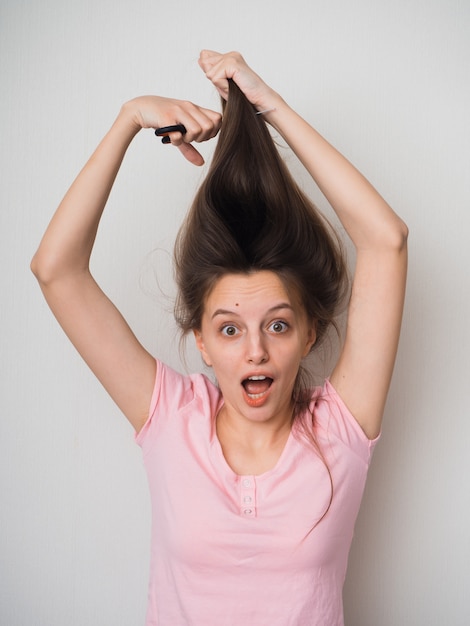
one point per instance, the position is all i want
(174, 393)
(332, 420)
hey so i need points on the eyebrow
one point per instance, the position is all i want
(273, 309)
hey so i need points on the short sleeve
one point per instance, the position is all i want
(172, 393)
(333, 416)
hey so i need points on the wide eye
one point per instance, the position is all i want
(278, 327)
(229, 330)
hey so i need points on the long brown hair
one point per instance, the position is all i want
(250, 215)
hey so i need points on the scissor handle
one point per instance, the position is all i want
(165, 130)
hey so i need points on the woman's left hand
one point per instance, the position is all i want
(220, 67)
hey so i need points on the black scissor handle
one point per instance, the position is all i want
(164, 130)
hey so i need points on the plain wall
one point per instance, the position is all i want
(388, 84)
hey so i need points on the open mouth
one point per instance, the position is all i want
(256, 386)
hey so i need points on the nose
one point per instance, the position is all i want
(256, 349)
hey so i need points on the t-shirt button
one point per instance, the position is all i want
(246, 482)
(248, 511)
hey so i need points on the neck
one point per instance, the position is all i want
(251, 448)
(251, 433)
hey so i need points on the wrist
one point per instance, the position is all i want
(129, 118)
(274, 107)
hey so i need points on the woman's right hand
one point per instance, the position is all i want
(155, 112)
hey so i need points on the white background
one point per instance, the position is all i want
(388, 84)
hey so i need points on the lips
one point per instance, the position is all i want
(257, 386)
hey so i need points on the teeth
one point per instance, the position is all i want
(257, 378)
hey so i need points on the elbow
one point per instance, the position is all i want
(389, 237)
(41, 268)
(394, 236)
(44, 268)
(35, 267)
(401, 236)
(50, 268)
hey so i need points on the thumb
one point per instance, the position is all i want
(191, 154)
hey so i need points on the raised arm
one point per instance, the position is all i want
(61, 263)
(363, 372)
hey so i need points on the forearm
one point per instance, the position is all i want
(67, 244)
(68, 241)
(367, 218)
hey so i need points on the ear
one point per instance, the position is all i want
(200, 346)
(311, 338)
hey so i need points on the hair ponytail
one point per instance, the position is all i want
(250, 215)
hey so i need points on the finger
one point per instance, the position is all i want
(219, 80)
(219, 68)
(176, 138)
(214, 116)
(200, 124)
(207, 58)
(233, 66)
(191, 154)
(209, 61)
(204, 125)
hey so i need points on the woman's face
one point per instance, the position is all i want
(254, 336)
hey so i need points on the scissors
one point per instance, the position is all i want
(164, 130)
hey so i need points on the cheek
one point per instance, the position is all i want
(201, 346)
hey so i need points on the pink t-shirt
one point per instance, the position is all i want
(230, 550)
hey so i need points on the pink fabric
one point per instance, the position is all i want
(231, 550)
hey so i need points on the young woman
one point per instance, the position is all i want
(255, 481)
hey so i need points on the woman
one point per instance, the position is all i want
(256, 482)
